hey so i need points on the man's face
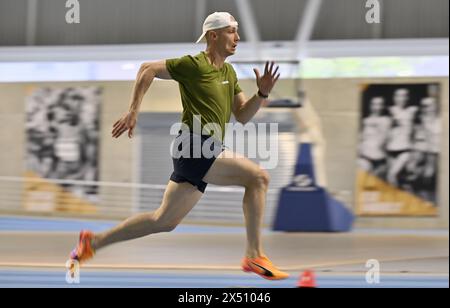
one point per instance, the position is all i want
(401, 97)
(429, 105)
(377, 105)
(227, 39)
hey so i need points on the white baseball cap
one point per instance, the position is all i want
(217, 20)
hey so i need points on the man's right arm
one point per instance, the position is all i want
(147, 72)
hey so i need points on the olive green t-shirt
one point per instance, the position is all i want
(205, 90)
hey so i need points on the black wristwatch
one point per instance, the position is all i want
(262, 95)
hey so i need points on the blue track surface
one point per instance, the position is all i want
(10, 278)
(10, 223)
(91, 278)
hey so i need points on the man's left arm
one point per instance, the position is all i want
(244, 109)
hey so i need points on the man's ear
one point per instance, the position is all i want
(214, 35)
(209, 36)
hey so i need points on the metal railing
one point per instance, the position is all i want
(112, 200)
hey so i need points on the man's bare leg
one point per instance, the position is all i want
(233, 169)
(396, 166)
(253, 204)
(178, 201)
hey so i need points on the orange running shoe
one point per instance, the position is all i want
(84, 250)
(263, 267)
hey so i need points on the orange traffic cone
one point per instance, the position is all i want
(307, 280)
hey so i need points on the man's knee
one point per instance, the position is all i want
(165, 224)
(259, 179)
(168, 227)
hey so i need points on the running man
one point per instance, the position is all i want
(423, 165)
(375, 130)
(209, 88)
(400, 137)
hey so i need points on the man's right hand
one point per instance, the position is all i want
(127, 122)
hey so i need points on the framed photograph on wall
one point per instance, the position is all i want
(61, 148)
(398, 150)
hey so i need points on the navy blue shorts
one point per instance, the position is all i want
(189, 165)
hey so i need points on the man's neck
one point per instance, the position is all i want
(214, 57)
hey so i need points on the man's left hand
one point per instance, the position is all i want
(268, 80)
